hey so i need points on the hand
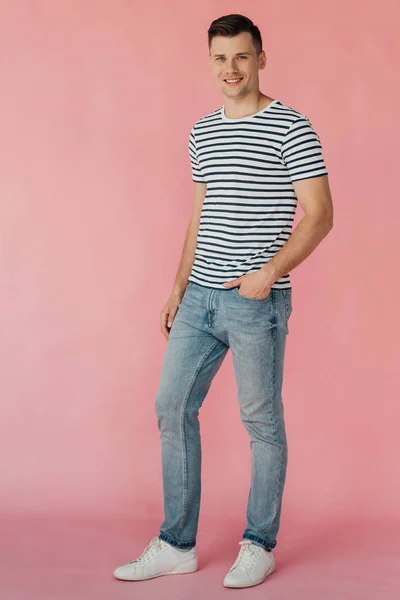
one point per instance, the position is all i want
(169, 311)
(253, 285)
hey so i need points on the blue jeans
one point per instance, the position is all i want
(208, 322)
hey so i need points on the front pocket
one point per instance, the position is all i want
(253, 299)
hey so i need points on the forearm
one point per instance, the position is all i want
(309, 232)
(187, 258)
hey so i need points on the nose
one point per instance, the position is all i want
(231, 67)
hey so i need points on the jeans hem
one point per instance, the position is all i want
(170, 540)
(259, 541)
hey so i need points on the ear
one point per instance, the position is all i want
(262, 60)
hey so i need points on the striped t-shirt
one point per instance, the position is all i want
(248, 165)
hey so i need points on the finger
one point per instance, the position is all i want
(171, 317)
(230, 283)
(164, 329)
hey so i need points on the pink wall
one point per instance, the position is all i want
(97, 100)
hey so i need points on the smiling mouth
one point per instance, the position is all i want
(233, 81)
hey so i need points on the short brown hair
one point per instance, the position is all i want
(231, 25)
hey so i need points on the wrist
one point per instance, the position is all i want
(270, 273)
(179, 288)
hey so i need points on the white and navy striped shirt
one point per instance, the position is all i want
(249, 165)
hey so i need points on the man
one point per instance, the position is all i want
(252, 159)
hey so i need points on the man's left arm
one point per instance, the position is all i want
(315, 198)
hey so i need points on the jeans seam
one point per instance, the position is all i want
(286, 300)
(191, 384)
(274, 342)
(279, 445)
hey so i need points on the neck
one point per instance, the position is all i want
(237, 108)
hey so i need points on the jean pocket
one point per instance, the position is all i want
(253, 299)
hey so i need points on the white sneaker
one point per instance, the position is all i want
(159, 558)
(251, 567)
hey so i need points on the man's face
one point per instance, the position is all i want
(233, 58)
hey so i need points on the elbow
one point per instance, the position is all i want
(325, 225)
(324, 222)
(329, 218)
(327, 221)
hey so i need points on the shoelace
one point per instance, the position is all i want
(247, 556)
(151, 550)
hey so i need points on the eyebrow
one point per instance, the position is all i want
(237, 54)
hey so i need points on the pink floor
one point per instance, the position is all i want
(73, 558)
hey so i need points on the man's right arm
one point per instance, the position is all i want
(189, 247)
(187, 259)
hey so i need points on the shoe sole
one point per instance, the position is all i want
(180, 569)
(244, 585)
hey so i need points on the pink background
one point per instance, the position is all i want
(97, 101)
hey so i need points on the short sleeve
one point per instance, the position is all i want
(196, 171)
(301, 151)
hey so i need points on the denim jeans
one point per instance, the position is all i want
(208, 322)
